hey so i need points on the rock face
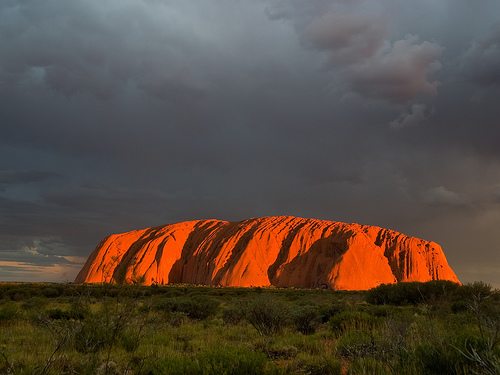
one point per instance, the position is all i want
(282, 251)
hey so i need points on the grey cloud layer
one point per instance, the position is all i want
(126, 114)
(375, 67)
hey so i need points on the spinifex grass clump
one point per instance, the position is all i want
(433, 328)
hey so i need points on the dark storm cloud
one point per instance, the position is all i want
(441, 196)
(349, 37)
(400, 72)
(91, 54)
(127, 114)
(481, 62)
(374, 66)
(10, 177)
(415, 116)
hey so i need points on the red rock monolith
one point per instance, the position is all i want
(283, 251)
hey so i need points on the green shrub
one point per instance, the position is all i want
(381, 311)
(80, 310)
(476, 291)
(232, 315)
(436, 290)
(459, 307)
(403, 294)
(58, 314)
(198, 306)
(167, 305)
(92, 337)
(257, 289)
(102, 328)
(433, 360)
(330, 310)
(176, 366)
(306, 319)
(129, 341)
(19, 294)
(35, 303)
(51, 292)
(411, 293)
(267, 315)
(9, 311)
(73, 313)
(379, 295)
(177, 318)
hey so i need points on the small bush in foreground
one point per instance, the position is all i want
(9, 311)
(198, 307)
(268, 316)
(232, 315)
(335, 308)
(306, 319)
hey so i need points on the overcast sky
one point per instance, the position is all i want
(125, 114)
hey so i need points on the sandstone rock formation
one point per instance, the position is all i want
(282, 251)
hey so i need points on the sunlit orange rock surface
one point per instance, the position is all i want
(282, 251)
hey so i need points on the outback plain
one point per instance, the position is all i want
(436, 327)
